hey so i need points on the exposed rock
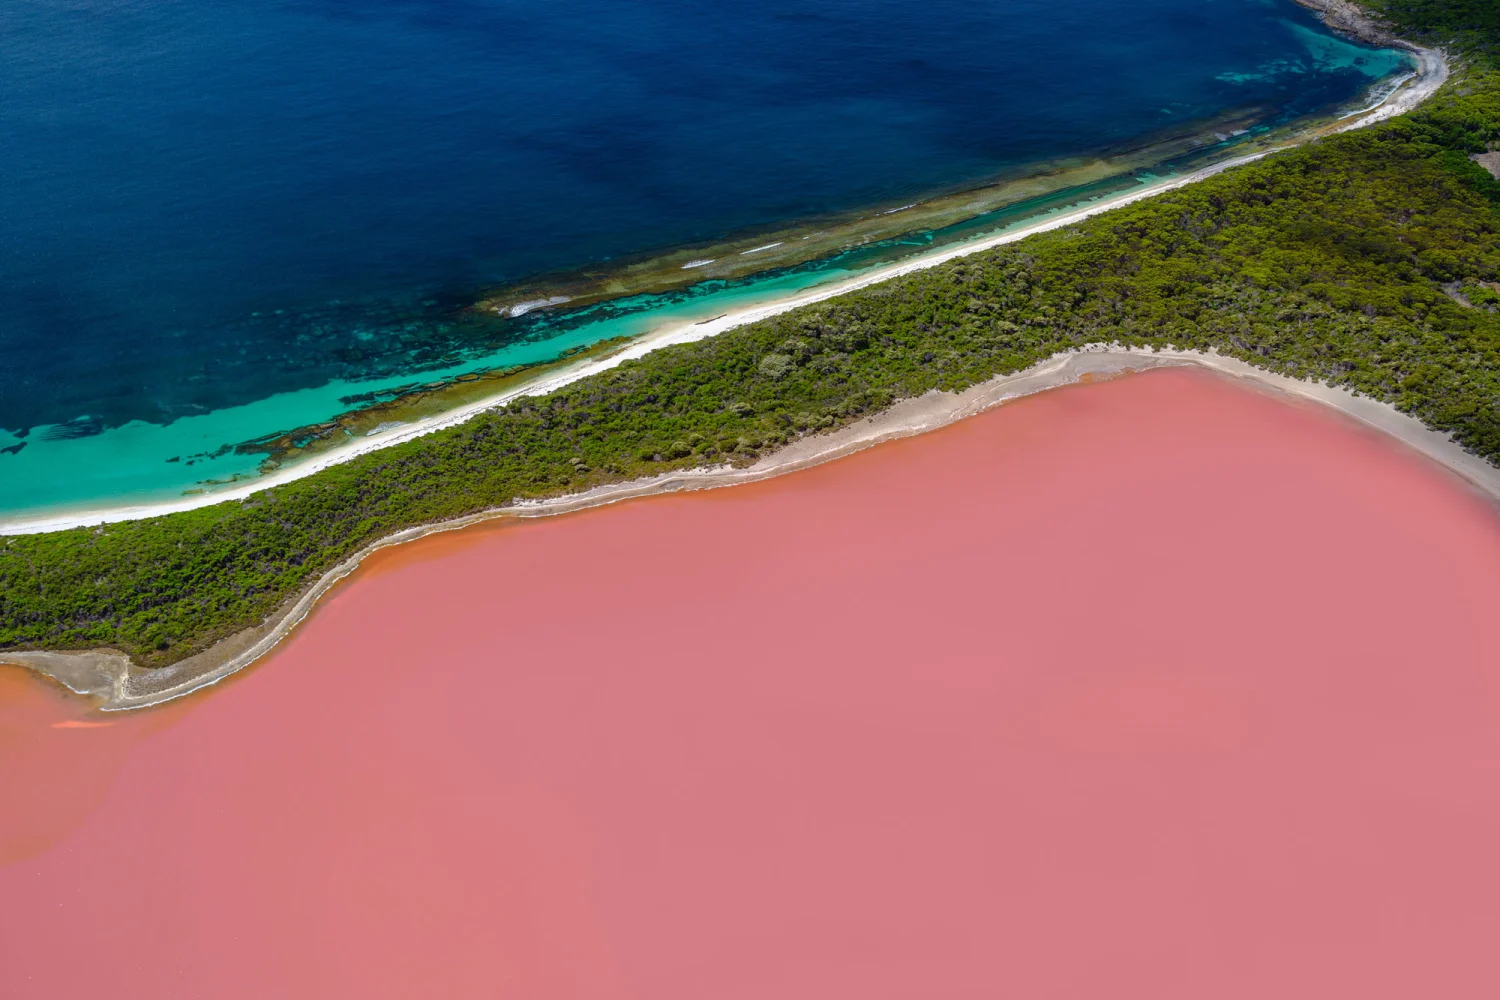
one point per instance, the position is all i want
(1355, 21)
(1490, 162)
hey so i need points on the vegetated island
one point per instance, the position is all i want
(1367, 262)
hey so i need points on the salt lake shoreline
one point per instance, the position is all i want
(111, 679)
(1430, 74)
(117, 684)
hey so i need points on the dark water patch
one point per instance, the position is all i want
(78, 427)
(210, 204)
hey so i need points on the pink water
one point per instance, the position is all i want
(1159, 688)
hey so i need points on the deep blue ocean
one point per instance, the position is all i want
(206, 203)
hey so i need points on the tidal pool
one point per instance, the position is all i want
(1161, 687)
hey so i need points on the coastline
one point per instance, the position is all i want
(1430, 74)
(1347, 18)
(117, 684)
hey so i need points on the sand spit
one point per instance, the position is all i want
(1430, 74)
(111, 678)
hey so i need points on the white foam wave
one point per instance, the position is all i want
(522, 308)
(1380, 93)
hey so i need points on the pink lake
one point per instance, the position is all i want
(1156, 688)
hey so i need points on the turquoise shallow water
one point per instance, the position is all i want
(202, 251)
(132, 464)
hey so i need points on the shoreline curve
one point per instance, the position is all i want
(117, 684)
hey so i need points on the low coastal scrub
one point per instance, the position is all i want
(1369, 260)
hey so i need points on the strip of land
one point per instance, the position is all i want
(118, 684)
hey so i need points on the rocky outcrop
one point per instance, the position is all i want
(1352, 20)
(1489, 161)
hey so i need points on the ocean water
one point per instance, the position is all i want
(218, 219)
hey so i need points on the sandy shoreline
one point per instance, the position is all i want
(117, 684)
(1431, 73)
(1348, 18)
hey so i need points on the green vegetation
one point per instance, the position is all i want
(1362, 260)
(1473, 22)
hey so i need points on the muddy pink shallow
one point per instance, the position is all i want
(1152, 689)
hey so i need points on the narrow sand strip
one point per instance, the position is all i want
(110, 676)
(1431, 73)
